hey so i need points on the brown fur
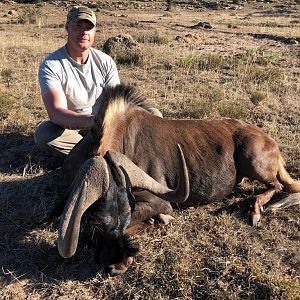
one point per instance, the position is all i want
(219, 153)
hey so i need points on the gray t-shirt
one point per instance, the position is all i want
(80, 85)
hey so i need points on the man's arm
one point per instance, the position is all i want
(59, 113)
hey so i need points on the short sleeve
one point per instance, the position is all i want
(48, 78)
(112, 76)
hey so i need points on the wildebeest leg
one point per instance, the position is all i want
(148, 206)
(260, 201)
(165, 219)
(257, 157)
(149, 224)
(117, 269)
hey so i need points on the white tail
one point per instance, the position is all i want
(290, 200)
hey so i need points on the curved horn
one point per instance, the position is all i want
(91, 184)
(141, 179)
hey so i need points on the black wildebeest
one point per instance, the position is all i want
(218, 155)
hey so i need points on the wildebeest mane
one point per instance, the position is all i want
(122, 95)
(115, 100)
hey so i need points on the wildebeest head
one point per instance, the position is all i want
(104, 223)
(101, 197)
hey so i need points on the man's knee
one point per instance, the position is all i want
(46, 132)
(52, 138)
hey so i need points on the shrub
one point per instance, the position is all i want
(232, 109)
(260, 74)
(170, 4)
(7, 76)
(152, 38)
(207, 62)
(30, 16)
(257, 96)
(6, 103)
(128, 57)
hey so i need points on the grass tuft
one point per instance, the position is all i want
(232, 109)
(203, 62)
(259, 75)
(6, 103)
(7, 75)
(152, 38)
(257, 97)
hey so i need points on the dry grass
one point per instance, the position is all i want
(208, 252)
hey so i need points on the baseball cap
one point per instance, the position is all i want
(78, 13)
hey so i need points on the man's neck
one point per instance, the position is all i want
(80, 56)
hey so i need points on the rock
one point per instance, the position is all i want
(179, 38)
(168, 66)
(124, 40)
(123, 48)
(13, 13)
(232, 26)
(204, 25)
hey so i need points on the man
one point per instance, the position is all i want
(71, 80)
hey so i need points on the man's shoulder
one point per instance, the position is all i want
(100, 55)
(55, 56)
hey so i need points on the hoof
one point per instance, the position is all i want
(114, 270)
(150, 221)
(165, 219)
(118, 269)
(254, 220)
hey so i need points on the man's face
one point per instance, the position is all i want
(81, 34)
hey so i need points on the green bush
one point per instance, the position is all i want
(6, 74)
(260, 74)
(6, 103)
(30, 16)
(207, 62)
(257, 96)
(152, 38)
(232, 109)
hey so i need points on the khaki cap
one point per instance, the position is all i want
(78, 13)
